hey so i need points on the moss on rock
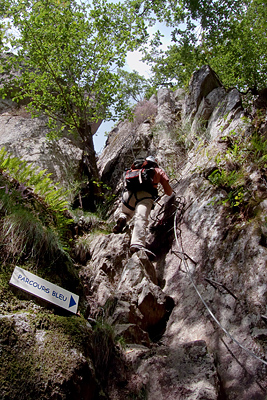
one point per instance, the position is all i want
(46, 356)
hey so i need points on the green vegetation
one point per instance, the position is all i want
(35, 224)
(72, 327)
(232, 182)
(35, 230)
(69, 55)
(43, 188)
(69, 58)
(33, 221)
(134, 86)
(232, 173)
(228, 35)
(24, 235)
(103, 341)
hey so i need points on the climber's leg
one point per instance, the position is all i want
(142, 211)
(125, 212)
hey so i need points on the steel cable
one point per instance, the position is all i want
(203, 301)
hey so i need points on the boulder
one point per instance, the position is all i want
(201, 84)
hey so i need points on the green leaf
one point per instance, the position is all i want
(69, 54)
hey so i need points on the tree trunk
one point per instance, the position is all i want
(89, 161)
(89, 154)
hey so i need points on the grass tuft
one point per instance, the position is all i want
(25, 237)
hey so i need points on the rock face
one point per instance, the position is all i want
(193, 322)
(44, 362)
(214, 273)
(26, 138)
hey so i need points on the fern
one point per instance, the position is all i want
(33, 219)
(40, 182)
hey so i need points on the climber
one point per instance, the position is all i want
(138, 199)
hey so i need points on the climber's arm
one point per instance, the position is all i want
(161, 177)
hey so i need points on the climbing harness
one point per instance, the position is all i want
(183, 257)
(126, 202)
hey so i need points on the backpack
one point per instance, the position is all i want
(140, 177)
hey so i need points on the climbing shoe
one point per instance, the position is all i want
(120, 224)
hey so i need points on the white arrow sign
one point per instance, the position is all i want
(48, 291)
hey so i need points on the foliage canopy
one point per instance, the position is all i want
(68, 55)
(230, 36)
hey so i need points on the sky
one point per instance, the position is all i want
(133, 63)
